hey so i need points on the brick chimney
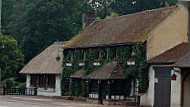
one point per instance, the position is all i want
(87, 19)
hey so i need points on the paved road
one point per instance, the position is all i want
(37, 101)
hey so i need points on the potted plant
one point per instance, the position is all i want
(81, 63)
(96, 62)
(68, 63)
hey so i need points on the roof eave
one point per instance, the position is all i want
(105, 45)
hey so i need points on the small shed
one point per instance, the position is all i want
(43, 71)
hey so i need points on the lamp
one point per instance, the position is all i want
(131, 60)
(173, 76)
(133, 54)
(58, 57)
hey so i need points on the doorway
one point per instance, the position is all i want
(162, 86)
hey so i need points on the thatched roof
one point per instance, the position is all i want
(45, 62)
(184, 61)
(172, 55)
(111, 70)
(132, 28)
(79, 74)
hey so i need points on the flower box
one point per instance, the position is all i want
(69, 64)
(96, 63)
(81, 64)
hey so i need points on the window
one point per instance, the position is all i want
(51, 81)
(47, 81)
(42, 80)
(33, 80)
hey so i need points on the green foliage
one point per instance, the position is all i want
(43, 22)
(9, 83)
(123, 7)
(7, 11)
(67, 94)
(11, 59)
(112, 15)
(22, 85)
(104, 8)
(97, 19)
(143, 77)
(104, 55)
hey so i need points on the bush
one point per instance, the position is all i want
(67, 94)
(8, 83)
(22, 85)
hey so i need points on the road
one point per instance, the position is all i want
(38, 101)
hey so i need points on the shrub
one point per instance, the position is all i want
(22, 85)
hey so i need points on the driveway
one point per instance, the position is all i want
(39, 101)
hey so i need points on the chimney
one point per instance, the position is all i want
(87, 19)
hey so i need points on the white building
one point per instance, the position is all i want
(43, 71)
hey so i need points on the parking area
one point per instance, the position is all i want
(40, 101)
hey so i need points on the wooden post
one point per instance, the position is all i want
(46, 85)
(100, 92)
(109, 89)
(181, 91)
(37, 81)
(88, 88)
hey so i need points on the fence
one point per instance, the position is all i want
(18, 91)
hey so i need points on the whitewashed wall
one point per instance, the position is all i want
(175, 90)
(148, 98)
(49, 91)
(27, 81)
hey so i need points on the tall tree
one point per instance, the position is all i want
(11, 59)
(44, 21)
(7, 11)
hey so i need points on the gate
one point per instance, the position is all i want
(162, 87)
(19, 91)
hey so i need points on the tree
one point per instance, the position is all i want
(11, 59)
(43, 22)
(7, 11)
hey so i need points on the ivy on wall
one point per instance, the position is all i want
(104, 55)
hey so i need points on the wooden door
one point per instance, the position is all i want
(162, 87)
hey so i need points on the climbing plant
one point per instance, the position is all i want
(104, 55)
